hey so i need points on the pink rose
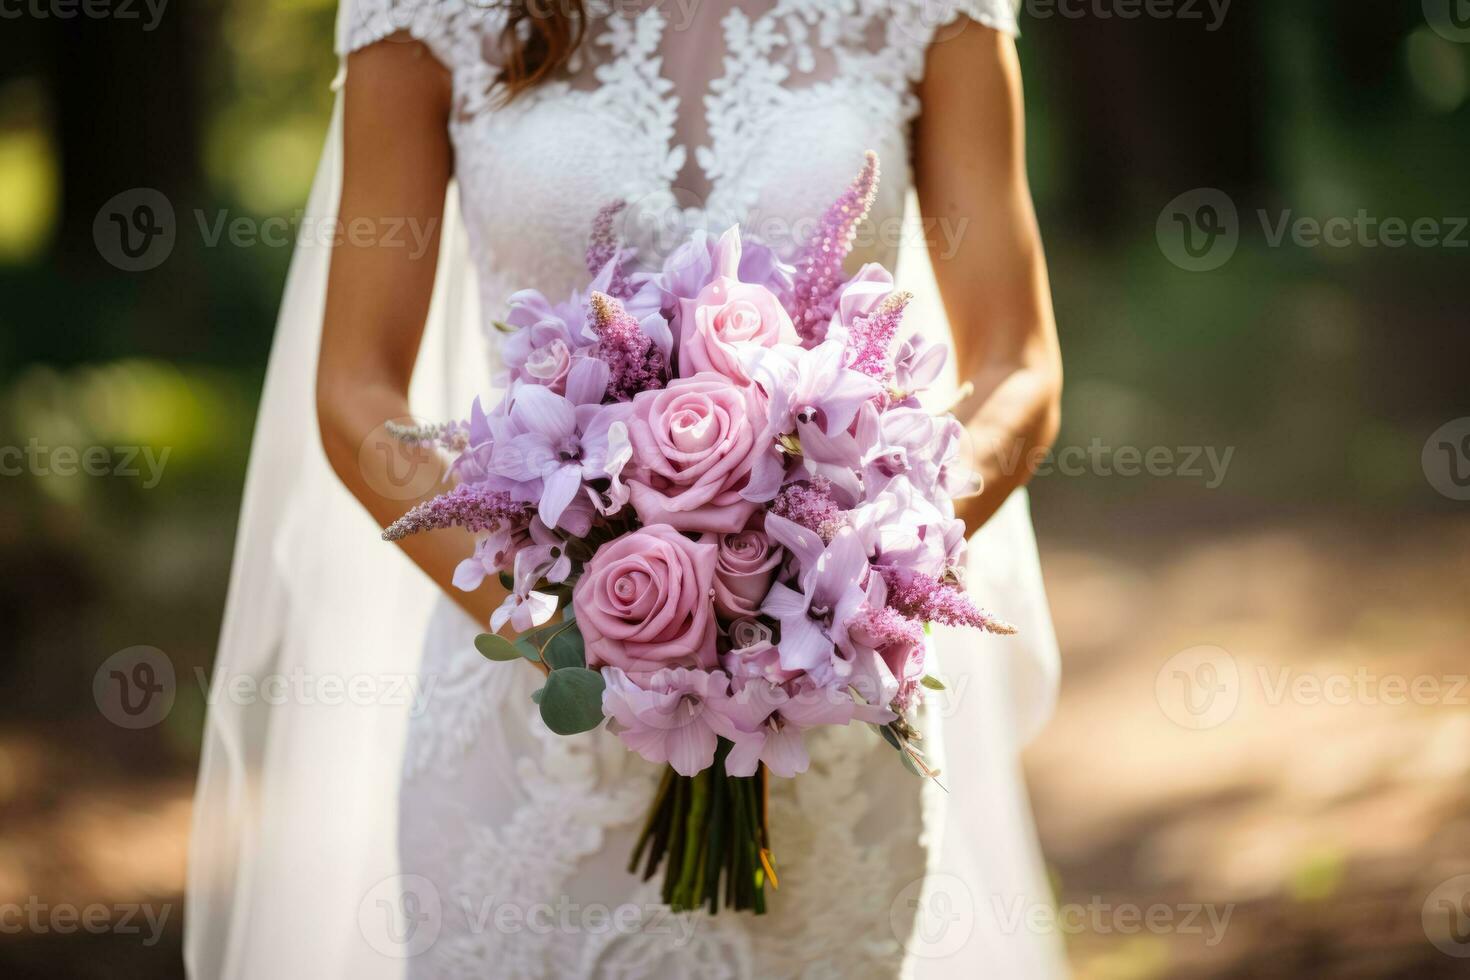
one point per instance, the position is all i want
(744, 571)
(642, 602)
(727, 312)
(694, 444)
(548, 366)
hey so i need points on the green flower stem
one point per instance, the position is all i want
(686, 892)
(657, 815)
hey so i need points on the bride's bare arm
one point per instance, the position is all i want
(396, 169)
(970, 171)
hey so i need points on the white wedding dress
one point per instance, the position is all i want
(444, 832)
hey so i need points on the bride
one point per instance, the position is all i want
(403, 812)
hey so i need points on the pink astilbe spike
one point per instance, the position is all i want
(469, 506)
(819, 263)
(930, 600)
(811, 505)
(872, 338)
(604, 246)
(636, 363)
(887, 625)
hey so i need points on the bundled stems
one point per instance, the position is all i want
(708, 829)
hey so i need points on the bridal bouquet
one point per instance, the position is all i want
(723, 520)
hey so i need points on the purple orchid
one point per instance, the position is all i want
(916, 364)
(671, 716)
(812, 396)
(765, 722)
(492, 554)
(901, 527)
(693, 265)
(836, 585)
(524, 608)
(548, 459)
(911, 442)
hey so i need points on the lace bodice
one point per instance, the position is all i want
(698, 115)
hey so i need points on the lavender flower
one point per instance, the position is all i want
(929, 599)
(470, 506)
(635, 361)
(819, 263)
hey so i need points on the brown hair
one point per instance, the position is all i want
(539, 38)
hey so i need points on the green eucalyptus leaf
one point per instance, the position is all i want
(506, 582)
(932, 683)
(525, 648)
(537, 694)
(495, 647)
(888, 736)
(566, 649)
(571, 701)
(911, 765)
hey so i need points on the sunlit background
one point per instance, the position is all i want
(1322, 561)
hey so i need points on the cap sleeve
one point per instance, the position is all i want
(364, 22)
(998, 15)
(938, 17)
